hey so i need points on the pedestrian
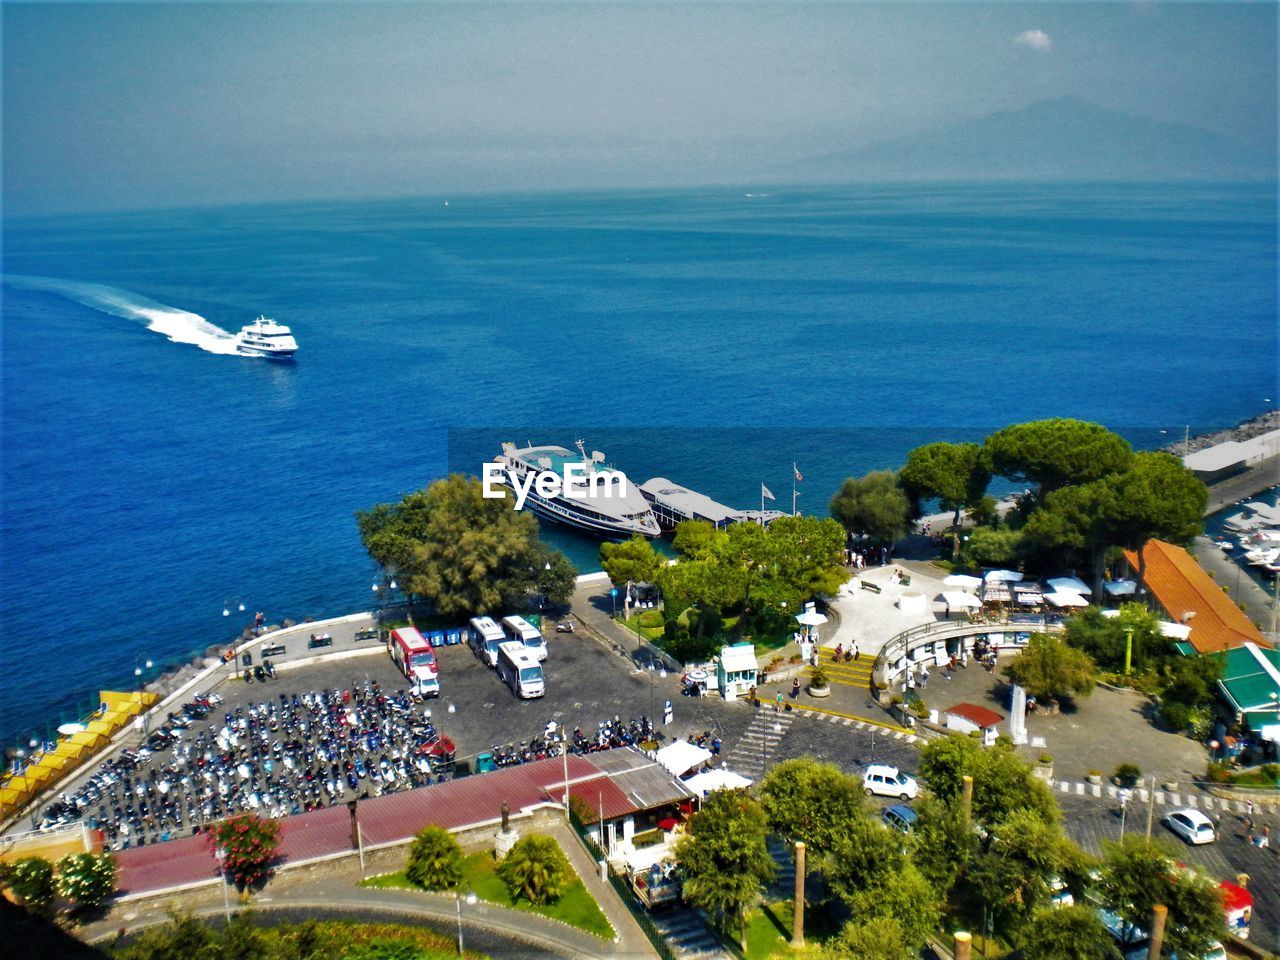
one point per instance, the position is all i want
(1264, 838)
(1248, 808)
(911, 680)
(751, 697)
(777, 703)
(839, 652)
(795, 688)
(924, 676)
(856, 652)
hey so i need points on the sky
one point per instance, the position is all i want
(131, 105)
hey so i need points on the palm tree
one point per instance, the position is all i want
(435, 859)
(535, 869)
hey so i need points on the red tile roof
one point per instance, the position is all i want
(975, 714)
(1180, 585)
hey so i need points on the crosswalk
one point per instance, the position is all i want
(865, 725)
(751, 754)
(1143, 795)
(687, 933)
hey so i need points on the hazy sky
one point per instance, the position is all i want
(135, 105)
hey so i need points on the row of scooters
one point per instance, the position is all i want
(608, 735)
(275, 758)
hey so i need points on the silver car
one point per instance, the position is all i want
(1191, 825)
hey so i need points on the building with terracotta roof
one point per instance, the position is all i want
(1188, 595)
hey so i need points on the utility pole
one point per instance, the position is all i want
(1159, 913)
(966, 803)
(797, 922)
(1151, 805)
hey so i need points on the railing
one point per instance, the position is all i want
(899, 647)
(624, 891)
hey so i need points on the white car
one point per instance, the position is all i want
(1191, 825)
(884, 781)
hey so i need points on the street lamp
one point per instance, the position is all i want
(471, 902)
(226, 606)
(221, 856)
(382, 594)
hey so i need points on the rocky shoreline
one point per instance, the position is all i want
(1246, 430)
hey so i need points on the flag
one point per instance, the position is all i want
(796, 470)
(766, 493)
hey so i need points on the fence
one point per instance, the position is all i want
(624, 891)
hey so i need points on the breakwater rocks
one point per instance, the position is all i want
(1246, 430)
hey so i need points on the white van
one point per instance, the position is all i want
(520, 671)
(484, 637)
(522, 631)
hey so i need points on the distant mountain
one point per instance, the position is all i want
(1065, 138)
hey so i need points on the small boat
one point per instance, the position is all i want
(266, 338)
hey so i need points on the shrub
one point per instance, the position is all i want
(1046, 758)
(818, 679)
(1127, 775)
(1175, 716)
(87, 879)
(1271, 771)
(1217, 773)
(435, 859)
(536, 869)
(31, 878)
(651, 619)
(249, 845)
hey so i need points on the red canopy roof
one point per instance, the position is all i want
(975, 714)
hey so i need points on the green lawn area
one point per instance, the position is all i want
(652, 634)
(769, 930)
(575, 907)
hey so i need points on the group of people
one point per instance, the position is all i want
(868, 556)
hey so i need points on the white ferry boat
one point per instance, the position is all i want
(598, 500)
(266, 338)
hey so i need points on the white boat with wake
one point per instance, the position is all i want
(266, 338)
(591, 497)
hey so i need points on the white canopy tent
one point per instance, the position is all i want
(1120, 588)
(1066, 599)
(681, 756)
(1006, 576)
(1069, 585)
(962, 580)
(811, 618)
(1176, 631)
(959, 601)
(705, 783)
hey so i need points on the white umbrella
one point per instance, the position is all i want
(960, 601)
(1120, 588)
(720, 779)
(1009, 576)
(962, 580)
(1066, 599)
(1070, 585)
(810, 618)
(681, 756)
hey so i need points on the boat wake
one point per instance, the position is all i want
(180, 326)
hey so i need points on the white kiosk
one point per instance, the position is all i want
(737, 670)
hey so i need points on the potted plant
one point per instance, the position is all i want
(819, 686)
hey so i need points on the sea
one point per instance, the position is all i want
(730, 339)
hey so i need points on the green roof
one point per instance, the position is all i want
(1251, 678)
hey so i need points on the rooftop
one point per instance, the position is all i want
(686, 501)
(1180, 585)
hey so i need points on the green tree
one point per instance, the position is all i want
(1002, 780)
(536, 868)
(873, 938)
(1057, 453)
(87, 879)
(181, 938)
(1076, 525)
(993, 547)
(811, 801)
(906, 897)
(697, 539)
(1035, 851)
(956, 474)
(808, 555)
(1157, 498)
(632, 561)
(942, 846)
(32, 879)
(1104, 638)
(463, 553)
(1068, 933)
(1051, 669)
(554, 576)
(863, 855)
(874, 505)
(435, 859)
(724, 858)
(747, 556)
(248, 844)
(1138, 873)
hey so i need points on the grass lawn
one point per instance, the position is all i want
(575, 907)
(769, 930)
(652, 634)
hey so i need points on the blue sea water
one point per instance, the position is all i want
(710, 336)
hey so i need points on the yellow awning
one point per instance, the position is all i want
(37, 777)
(72, 751)
(88, 739)
(104, 727)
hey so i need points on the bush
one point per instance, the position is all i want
(1046, 758)
(818, 679)
(87, 879)
(249, 845)
(435, 859)
(1271, 771)
(536, 869)
(31, 878)
(1175, 716)
(1217, 773)
(1127, 775)
(652, 619)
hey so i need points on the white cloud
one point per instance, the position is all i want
(1035, 39)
